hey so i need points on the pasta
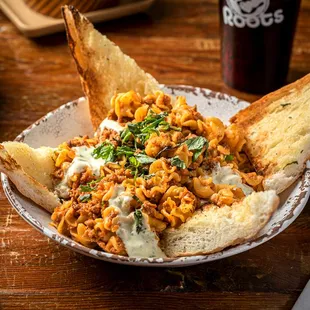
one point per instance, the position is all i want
(151, 175)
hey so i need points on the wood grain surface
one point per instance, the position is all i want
(177, 41)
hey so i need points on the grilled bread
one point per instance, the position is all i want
(277, 132)
(30, 171)
(213, 229)
(104, 69)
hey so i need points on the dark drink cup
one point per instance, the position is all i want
(256, 42)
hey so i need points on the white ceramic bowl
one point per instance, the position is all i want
(73, 119)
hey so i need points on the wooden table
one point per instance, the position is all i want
(178, 42)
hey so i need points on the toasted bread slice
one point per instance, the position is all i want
(30, 170)
(277, 132)
(104, 69)
(215, 228)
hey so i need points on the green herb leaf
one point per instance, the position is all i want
(229, 157)
(138, 221)
(144, 159)
(105, 151)
(143, 130)
(137, 199)
(124, 150)
(149, 176)
(284, 104)
(196, 145)
(133, 161)
(165, 126)
(125, 135)
(176, 161)
(89, 186)
(86, 188)
(134, 165)
(85, 198)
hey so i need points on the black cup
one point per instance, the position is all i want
(256, 42)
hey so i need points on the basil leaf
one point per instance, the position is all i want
(196, 145)
(134, 128)
(176, 161)
(125, 135)
(105, 151)
(124, 150)
(229, 157)
(133, 161)
(143, 130)
(134, 165)
(144, 159)
(85, 198)
(165, 126)
(138, 221)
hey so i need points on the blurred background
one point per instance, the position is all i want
(177, 41)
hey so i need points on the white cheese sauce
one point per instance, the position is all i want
(109, 124)
(142, 244)
(83, 159)
(225, 175)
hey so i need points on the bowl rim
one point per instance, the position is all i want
(8, 187)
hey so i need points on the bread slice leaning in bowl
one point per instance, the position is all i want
(277, 133)
(212, 229)
(104, 69)
(31, 172)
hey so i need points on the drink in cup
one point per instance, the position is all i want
(256, 42)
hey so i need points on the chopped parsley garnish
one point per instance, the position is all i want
(138, 221)
(176, 161)
(196, 145)
(284, 104)
(85, 197)
(229, 157)
(105, 151)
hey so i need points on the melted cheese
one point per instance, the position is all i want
(109, 124)
(142, 244)
(225, 175)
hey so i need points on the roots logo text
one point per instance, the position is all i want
(250, 13)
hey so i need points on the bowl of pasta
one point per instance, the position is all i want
(140, 173)
(67, 223)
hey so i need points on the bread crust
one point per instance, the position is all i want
(103, 68)
(26, 184)
(277, 133)
(215, 228)
(258, 109)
